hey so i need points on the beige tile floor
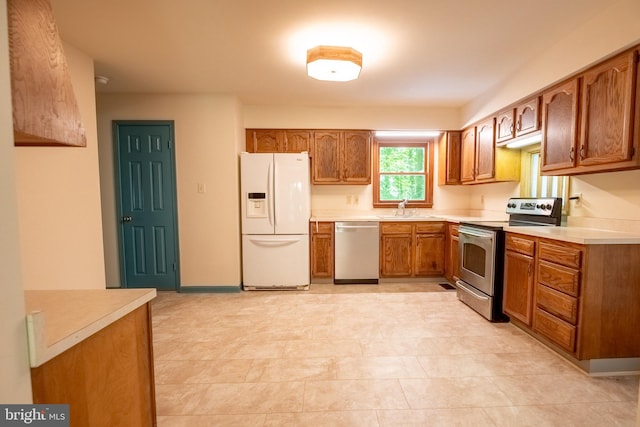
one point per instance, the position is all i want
(386, 355)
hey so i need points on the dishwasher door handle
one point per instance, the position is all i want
(356, 227)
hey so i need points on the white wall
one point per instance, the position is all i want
(59, 201)
(15, 386)
(208, 136)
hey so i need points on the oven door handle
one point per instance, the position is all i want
(464, 286)
(475, 233)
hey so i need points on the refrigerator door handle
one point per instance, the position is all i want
(284, 241)
(270, 203)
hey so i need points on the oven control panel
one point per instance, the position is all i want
(531, 206)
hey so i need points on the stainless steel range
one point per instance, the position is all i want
(481, 253)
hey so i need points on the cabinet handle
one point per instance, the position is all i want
(529, 270)
(519, 128)
(571, 154)
(511, 129)
(582, 152)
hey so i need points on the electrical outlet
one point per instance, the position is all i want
(202, 188)
(355, 199)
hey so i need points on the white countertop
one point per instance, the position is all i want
(59, 319)
(581, 235)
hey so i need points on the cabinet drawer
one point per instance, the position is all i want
(322, 228)
(565, 255)
(557, 303)
(558, 331)
(430, 227)
(559, 278)
(520, 244)
(395, 227)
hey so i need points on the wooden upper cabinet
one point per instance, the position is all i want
(45, 109)
(325, 164)
(341, 157)
(527, 116)
(485, 150)
(297, 141)
(468, 155)
(356, 157)
(277, 141)
(588, 121)
(560, 126)
(505, 125)
(449, 148)
(608, 97)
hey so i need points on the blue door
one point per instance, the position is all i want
(147, 204)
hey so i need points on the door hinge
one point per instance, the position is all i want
(174, 266)
(170, 144)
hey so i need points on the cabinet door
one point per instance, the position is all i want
(606, 113)
(264, 141)
(528, 116)
(322, 250)
(296, 141)
(559, 126)
(356, 157)
(449, 158)
(396, 255)
(468, 155)
(326, 157)
(518, 286)
(429, 255)
(485, 150)
(505, 127)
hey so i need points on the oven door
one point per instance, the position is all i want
(477, 248)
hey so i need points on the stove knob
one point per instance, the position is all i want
(543, 207)
(549, 206)
(538, 206)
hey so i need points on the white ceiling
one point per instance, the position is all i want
(415, 52)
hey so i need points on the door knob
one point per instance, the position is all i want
(126, 219)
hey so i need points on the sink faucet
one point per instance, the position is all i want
(401, 207)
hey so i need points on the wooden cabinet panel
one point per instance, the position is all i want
(322, 249)
(557, 303)
(430, 227)
(45, 109)
(452, 258)
(485, 150)
(449, 148)
(341, 157)
(505, 125)
(107, 378)
(518, 286)
(559, 126)
(555, 276)
(528, 116)
(326, 158)
(468, 155)
(519, 244)
(429, 254)
(396, 255)
(606, 114)
(356, 157)
(564, 254)
(559, 331)
(297, 141)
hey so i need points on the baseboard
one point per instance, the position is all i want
(209, 289)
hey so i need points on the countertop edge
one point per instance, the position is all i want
(40, 352)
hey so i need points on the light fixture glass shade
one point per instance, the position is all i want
(334, 63)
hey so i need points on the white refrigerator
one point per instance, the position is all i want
(275, 214)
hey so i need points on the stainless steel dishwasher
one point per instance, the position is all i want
(356, 252)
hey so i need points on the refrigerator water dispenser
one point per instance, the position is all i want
(256, 205)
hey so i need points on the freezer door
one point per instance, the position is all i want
(292, 193)
(256, 184)
(275, 261)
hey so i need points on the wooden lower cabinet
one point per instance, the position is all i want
(107, 379)
(452, 256)
(581, 299)
(322, 249)
(519, 268)
(412, 249)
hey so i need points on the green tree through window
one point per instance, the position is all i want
(403, 171)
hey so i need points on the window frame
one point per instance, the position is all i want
(427, 144)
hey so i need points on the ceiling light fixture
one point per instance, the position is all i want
(334, 63)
